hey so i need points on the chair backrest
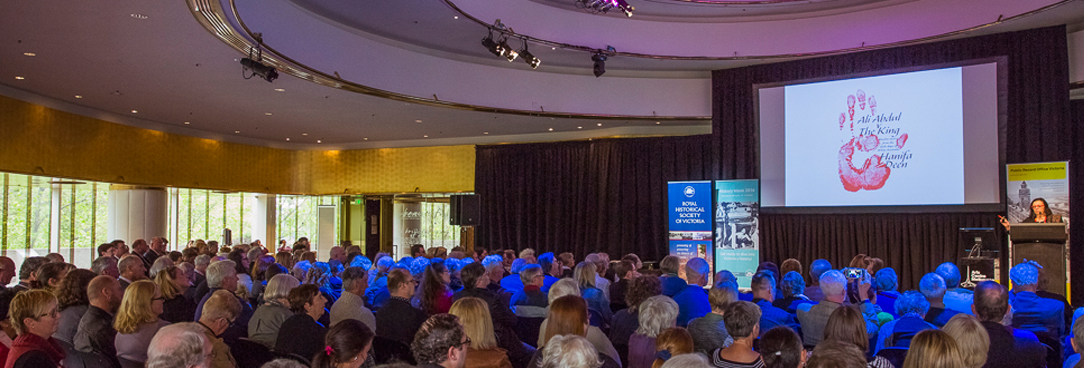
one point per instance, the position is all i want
(291, 356)
(527, 329)
(250, 354)
(125, 363)
(391, 351)
(894, 355)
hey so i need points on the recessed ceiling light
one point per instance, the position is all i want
(30, 54)
(656, 123)
(319, 141)
(553, 48)
(425, 136)
(186, 123)
(139, 16)
(365, 138)
(267, 113)
(78, 96)
(287, 139)
(304, 133)
(417, 121)
(236, 132)
(487, 133)
(280, 90)
(551, 129)
(19, 78)
(599, 124)
(456, 17)
(579, 127)
(135, 111)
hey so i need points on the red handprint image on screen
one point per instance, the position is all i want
(859, 166)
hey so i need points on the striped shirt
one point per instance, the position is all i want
(716, 361)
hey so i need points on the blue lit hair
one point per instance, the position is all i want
(912, 302)
(1024, 274)
(932, 286)
(792, 284)
(950, 273)
(886, 279)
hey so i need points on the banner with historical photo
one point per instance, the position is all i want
(737, 231)
(690, 221)
(1029, 183)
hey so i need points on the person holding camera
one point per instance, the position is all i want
(836, 292)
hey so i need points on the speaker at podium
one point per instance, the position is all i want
(1043, 243)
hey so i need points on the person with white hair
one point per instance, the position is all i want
(570, 351)
(834, 286)
(180, 345)
(222, 275)
(657, 313)
(1030, 311)
(692, 360)
(160, 264)
(671, 282)
(105, 265)
(693, 301)
(494, 266)
(131, 270)
(267, 319)
(932, 286)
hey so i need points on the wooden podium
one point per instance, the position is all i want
(1045, 244)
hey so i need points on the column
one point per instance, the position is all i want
(264, 220)
(137, 212)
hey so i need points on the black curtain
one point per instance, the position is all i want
(585, 196)
(1037, 128)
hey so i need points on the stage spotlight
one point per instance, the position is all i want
(507, 52)
(604, 6)
(265, 72)
(492, 46)
(600, 64)
(625, 7)
(529, 58)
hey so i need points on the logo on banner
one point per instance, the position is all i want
(690, 191)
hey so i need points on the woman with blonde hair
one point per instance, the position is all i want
(585, 275)
(933, 349)
(34, 315)
(477, 323)
(568, 316)
(137, 320)
(970, 337)
(671, 342)
(174, 283)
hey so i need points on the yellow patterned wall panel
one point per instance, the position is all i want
(42, 141)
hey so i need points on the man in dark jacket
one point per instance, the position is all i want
(1009, 347)
(96, 333)
(398, 320)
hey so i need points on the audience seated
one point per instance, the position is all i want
(912, 308)
(586, 275)
(956, 298)
(180, 345)
(96, 333)
(571, 351)
(657, 313)
(781, 347)
(137, 320)
(932, 286)
(792, 288)
(513, 283)
(105, 265)
(886, 282)
(530, 301)
(743, 323)
(174, 285)
(35, 318)
(71, 295)
(482, 352)
(347, 344)
(626, 272)
(475, 278)
(50, 274)
(709, 332)
(933, 349)
(834, 286)
(307, 303)
(440, 342)
(790, 265)
(848, 325)
(693, 301)
(219, 312)
(670, 342)
(694, 360)
(1009, 347)
(222, 275)
(551, 269)
(1031, 312)
(267, 319)
(970, 337)
(601, 267)
(671, 282)
(626, 321)
(1076, 342)
(434, 296)
(131, 270)
(816, 269)
(351, 304)
(397, 320)
(836, 354)
(567, 287)
(763, 285)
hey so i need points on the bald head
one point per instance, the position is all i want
(179, 345)
(991, 301)
(104, 292)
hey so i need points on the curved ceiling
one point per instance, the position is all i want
(152, 64)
